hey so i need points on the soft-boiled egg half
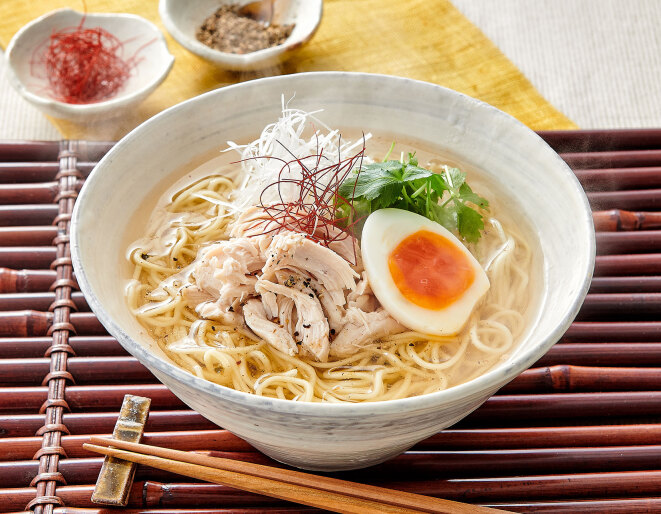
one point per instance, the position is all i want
(420, 272)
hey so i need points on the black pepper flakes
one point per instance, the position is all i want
(228, 31)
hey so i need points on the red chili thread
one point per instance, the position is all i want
(314, 213)
(85, 65)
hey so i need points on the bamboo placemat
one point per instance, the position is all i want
(578, 432)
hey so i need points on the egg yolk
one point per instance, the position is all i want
(429, 270)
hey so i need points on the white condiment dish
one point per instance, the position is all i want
(139, 37)
(182, 20)
(520, 166)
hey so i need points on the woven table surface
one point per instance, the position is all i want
(578, 432)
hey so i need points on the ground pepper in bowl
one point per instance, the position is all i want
(228, 31)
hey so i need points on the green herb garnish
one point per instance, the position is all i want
(443, 197)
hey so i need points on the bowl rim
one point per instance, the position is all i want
(228, 58)
(118, 101)
(486, 382)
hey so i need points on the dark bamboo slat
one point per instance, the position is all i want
(615, 306)
(39, 301)
(25, 281)
(601, 331)
(24, 448)
(27, 236)
(513, 462)
(25, 151)
(28, 193)
(539, 487)
(86, 323)
(85, 470)
(634, 264)
(24, 323)
(599, 140)
(85, 371)
(517, 409)
(86, 398)
(628, 242)
(638, 200)
(33, 257)
(29, 172)
(619, 219)
(613, 159)
(613, 179)
(621, 506)
(83, 346)
(35, 323)
(582, 378)
(27, 214)
(220, 499)
(29, 150)
(542, 437)
(603, 354)
(603, 285)
(26, 425)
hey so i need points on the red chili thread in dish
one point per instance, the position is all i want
(86, 65)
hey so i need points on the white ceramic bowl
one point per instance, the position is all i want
(135, 32)
(182, 19)
(336, 436)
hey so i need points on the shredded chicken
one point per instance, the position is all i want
(361, 328)
(299, 296)
(272, 333)
(294, 251)
(312, 325)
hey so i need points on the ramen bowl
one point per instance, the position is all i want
(516, 162)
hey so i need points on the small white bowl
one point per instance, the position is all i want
(182, 19)
(137, 35)
(518, 165)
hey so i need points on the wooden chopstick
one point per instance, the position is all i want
(296, 486)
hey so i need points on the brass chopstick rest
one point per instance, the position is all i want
(116, 476)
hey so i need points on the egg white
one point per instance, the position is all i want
(384, 229)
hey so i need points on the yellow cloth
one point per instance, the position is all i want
(421, 39)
